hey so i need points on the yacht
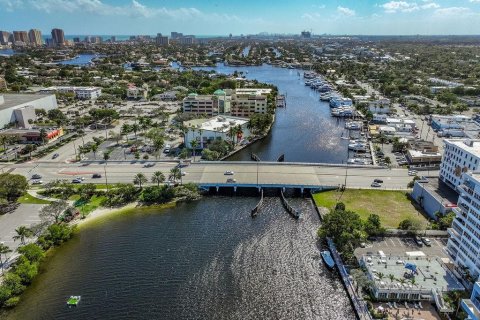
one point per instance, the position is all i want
(325, 96)
(358, 161)
(358, 147)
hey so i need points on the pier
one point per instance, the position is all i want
(293, 212)
(257, 207)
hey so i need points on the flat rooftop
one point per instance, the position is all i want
(473, 147)
(13, 99)
(218, 124)
(431, 273)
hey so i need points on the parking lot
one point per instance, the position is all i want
(398, 246)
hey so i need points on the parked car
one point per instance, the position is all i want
(36, 176)
(426, 241)
(55, 155)
(148, 165)
(375, 185)
(37, 182)
(96, 175)
(231, 180)
(418, 241)
(229, 173)
(378, 180)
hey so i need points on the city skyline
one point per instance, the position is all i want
(428, 17)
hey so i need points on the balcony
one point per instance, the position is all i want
(453, 233)
(471, 309)
(457, 227)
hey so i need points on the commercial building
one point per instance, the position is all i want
(20, 108)
(217, 128)
(58, 37)
(82, 93)
(176, 35)
(34, 135)
(459, 156)
(4, 37)
(35, 37)
(134, 92)
(472, 306)
(463, 245)
(413, 277)
(21, 37)
(416, 157)
(434, 197)
(161, 40)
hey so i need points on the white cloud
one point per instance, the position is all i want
(311, 16)
(404, 6)
(430, 5)
(453, 11)
(345, 11)
(474, 0)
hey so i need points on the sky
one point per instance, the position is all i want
(219, 17)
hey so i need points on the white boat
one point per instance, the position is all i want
(358, 147)
(325, 96)
(358, 161)
(353, 125)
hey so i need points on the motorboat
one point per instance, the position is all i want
(353, 125)
(358, 147)
(328, 259)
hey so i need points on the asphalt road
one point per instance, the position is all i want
(245, 173)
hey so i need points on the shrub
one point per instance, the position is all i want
(12, 302)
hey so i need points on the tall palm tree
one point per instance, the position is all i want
(22, 233)
(4, 249)
(158, 177)
(135, 128)
(140, 179)
(231, 134)
(175, 174)
(200, 132)
(382, 138)
(194, 145)
(391, 277)
(94, 148)
(125, 130)
(380, 275)
(239, 131)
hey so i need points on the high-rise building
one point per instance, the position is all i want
(187, 40)
(58, 37)
(21, 36)
(113, 39)
(176, 35)
(306, 34)
(35, 37)
(460, 155)
(4, 37)
(161, 40)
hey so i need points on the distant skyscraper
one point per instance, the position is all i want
(306, 34)
(21, 36)
(113, 39)
(4, 35)
(76, 40)
(58, 37)
(176, 35)
(161, 40)
(35, 37)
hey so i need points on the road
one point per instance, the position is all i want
(210, 174)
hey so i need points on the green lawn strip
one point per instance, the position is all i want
(391, 206)
(27, 198)
(94, 203)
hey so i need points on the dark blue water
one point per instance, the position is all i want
(7, 52)
(81, 59)
(304, 131)
(204, 260)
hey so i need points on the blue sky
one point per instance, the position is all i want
(219, 17)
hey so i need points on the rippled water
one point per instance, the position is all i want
(203, 260)
(304, 131)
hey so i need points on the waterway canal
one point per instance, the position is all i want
(203, 260)
(304, 131)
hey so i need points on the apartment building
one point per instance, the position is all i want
(161, 40)
(35, 37)
(82, 93)
(463, 245)
(4, 37)
(58, 37)
(248, 101)
(472, 306)
(460, 156)
(21, 37)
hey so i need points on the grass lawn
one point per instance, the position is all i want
(91, 205)
(29, 199)
(391, 206)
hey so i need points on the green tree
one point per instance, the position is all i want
(12, 186)
(32, 252)
(194, 145)
(14, 283)
(53, 211)
(26, 270)
(373, 225)
(125, 130)
(411, 225)
(158, 177)
(106, 156)
(175, 174)
(4, 249)
(22, 233)
(345, 227)
(140, 179)
(94, 148)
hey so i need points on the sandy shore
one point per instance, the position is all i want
(104, 212)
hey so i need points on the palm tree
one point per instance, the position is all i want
(380, 275)
(175, 174)
(231, 134)
(391, 277)
(140, 179)
(194, 145)
(106, 156)
(158, 177)
(3, 251)
(382, 139)
(43, 135)
(135, 127)
(239, 131)
(184, 131)
(94, 148)
(125, 130)
(22, 233)
(200, 132)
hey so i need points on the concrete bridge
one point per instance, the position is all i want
(212, 174)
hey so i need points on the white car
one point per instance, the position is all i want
(412, 173)
(37, 182)
(229, 173)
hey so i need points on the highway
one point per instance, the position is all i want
(213, 173)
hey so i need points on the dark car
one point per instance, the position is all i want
(55, 156)
(418, 241)
(36, 176)
(378, 180)
(96, 175)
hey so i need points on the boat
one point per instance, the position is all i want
(325, 96)
(358, 147)
(327, 258)
(353, 125)
(358, 161)
(73, 301)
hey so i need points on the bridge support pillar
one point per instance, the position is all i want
(283, 189)
(301, 190)
(259, 189)
(235, 189)
(217, 187)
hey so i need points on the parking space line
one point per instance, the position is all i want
(385, 243)
(438, 243)
(393, 243)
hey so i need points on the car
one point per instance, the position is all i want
(378, 180)
(231, 180)
(96, 175)
(375, 185)
(37, 182)
(148, 165)
(55, 155)
(229, 173)
(412, 173)
(426, 241)
(183, 173)
(76, 180)
(418, 241)
(36, 176)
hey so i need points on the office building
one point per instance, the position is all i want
(4, 37)
(26, 105)
(460, 156)
(82, 93)
(58, 37)
(306, 34)
(186, 40)
(21, 37)
(176, 35)
(35, 37)
(463, 245)
(161, 40)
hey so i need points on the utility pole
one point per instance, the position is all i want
(106, 180)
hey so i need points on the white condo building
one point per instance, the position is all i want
(82, 93)
(460, 156)
(464, 242)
